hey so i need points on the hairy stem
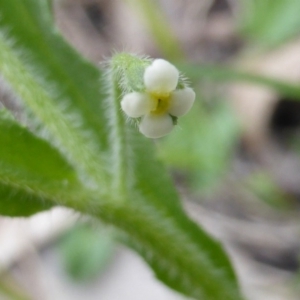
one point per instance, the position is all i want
(151, 219)
(177, 256)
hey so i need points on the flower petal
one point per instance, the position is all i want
(161, 77)
(153, 126)
(136, 104)
(181, 101)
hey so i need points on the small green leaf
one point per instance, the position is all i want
(86, 251)
(33, 175)
(266, 189)
(269, 23)
(209, 137)
(226, 74)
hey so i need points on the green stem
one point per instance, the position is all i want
(177, 257)
(119, 143)
(158, 25)
(225, 74)
(151, 219)
(10, 290)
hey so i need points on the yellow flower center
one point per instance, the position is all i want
(161, 103)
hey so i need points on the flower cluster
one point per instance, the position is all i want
(161, 103)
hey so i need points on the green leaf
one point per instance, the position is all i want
(33, 175)
(85, 251)
(152, 219)
(61, 89)
(209, 137)
(269, 23)
(267, 190)
(29, 24)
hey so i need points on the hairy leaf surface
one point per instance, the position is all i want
(33, 175)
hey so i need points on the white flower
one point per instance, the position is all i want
(160, 101)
